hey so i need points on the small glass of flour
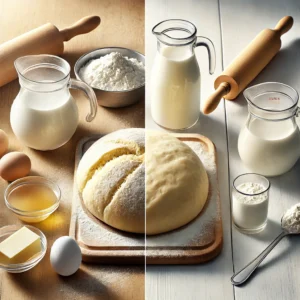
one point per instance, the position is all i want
(250, 201)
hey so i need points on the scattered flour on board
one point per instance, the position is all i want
(198, 232)
(94, 235)
(113, 72)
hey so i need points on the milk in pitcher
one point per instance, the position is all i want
(175, 81)
(175, 88)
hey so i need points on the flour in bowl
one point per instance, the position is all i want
(113, 72)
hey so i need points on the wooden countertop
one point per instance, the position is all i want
(122, 24)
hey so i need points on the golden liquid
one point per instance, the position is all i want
(32, 197)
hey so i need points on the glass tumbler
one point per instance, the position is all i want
(250, 201)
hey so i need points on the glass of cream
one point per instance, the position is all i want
(250, 201)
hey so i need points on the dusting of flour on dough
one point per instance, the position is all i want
(199, 232)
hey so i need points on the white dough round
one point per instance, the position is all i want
(176, 183)
(65, 256)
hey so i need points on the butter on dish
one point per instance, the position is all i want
(20, 247)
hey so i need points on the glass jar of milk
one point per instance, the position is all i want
(269, 143)
(175, 81)
(44, 115)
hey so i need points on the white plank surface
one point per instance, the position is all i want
(278, 278)
(210, 280)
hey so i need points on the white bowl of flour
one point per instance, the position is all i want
(116, 74)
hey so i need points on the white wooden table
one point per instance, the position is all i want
(231, 24)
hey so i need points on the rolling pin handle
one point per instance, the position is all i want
(214, 99)
(84, 25)
(284, 25)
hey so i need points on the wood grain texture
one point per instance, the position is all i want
(210, 280)
(278, 276)
(122, 25)
(82, 26)
(45, 39)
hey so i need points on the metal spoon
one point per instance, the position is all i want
(243, 275)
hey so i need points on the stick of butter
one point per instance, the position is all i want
(20, 247)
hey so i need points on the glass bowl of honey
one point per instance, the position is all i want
(32, 198)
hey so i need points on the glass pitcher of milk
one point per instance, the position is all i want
(269, 143)
(175, 81)
(44, 116)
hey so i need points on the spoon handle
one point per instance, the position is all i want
(241, 276)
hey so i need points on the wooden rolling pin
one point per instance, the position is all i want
(46, 39)
(248, 64)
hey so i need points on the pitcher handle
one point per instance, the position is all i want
(79, 85)
(208, 44)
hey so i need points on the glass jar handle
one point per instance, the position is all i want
(208, 44)
(79, 85)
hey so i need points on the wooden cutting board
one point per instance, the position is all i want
(196, 242)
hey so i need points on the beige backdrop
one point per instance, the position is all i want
(122, 25)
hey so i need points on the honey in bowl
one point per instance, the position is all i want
(32, 198)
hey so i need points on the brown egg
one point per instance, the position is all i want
(14, 165)
(3, 142)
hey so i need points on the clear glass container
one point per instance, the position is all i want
(269, 143)
(175, 81)
(6, 232)
(44, 115)
(33, 213)
(250, 202)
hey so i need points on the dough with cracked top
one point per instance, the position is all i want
(111, 179)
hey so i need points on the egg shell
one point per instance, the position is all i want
(3, 142)
(65, 256)
(14, 165)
